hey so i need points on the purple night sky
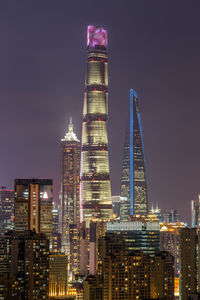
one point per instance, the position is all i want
(153, 48)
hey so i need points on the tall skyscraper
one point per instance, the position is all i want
(133, 178)
(70, 175)
(33, 205)
(96, 203)
(6, 209)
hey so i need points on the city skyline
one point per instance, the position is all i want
(163, 68)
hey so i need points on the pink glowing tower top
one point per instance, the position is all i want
(96, 36)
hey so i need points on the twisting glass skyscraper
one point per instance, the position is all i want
(133, 178)
(95, 188)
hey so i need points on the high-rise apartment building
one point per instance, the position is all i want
(33, 205)
(133, 178)
(6, 209)
(189, 262)
(70, 204)
(95, 192)
(162, 276)
(58, 274)
(133, 274)
(24, 258)
(126, 276)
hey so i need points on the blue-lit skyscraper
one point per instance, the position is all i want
(133, 178)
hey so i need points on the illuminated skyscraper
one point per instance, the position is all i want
(133, 178)
(58, 274)
(6, 209)
(95, 176)
(33, 205)
(70, 174)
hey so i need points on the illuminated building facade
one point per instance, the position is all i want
(33, 205)
(132, 274)
(137, 235)
(126, 276)
(58, 275)
(56, 238)
(120, 207)
(162, 276)
(189, 268)
(24, 258)
(95, 188)
(6, 209)
(170, 241)
(195, 210)
(156, 212)
(70, 184)
(133, 178)
(170, 216)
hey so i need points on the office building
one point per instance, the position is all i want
(189, 270)
(120, 207)
(24, 258)
(125, 209)
(92, 288)
(133, 177)
(74, 238)
(70, 174)
(170, 216)
(162, 276)
(6, 209)
(143, 236)
(56, 237)
(116, 206)
(33, 205)
(195, 210)
(170, 241)
(156, 212)
(95, 191)
(58, 274)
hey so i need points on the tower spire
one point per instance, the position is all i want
(70, 127)
(70, 135)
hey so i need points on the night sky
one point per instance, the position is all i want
(153, 47)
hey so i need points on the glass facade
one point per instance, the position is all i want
(137, 235)
(6, 209)
(95, 178)
(133, 178)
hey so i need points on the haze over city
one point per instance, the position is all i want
(153, 47)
